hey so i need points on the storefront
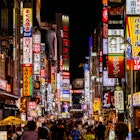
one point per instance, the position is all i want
(7, 104)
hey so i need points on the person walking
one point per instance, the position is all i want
(75, 134)
(121, 131)
(17, 134)
(45, 125)
(59, 130)
(43, 134)
(30, 133)
(89, 135)
(100, 131)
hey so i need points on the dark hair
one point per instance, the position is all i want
(89, 129)
(44, 124)
(121, 130)
(31, 125)
(42, 133)
(100, 123)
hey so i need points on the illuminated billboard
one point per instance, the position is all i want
(116, 68)
(27, 22)
(132, 7)
(119, 101)
(27, 80)
(27, 51)
(78, 83)
(133, 35)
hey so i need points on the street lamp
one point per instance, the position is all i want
(123, 45)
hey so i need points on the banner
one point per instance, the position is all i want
(116, 68)
(133, 35)
(119, 101)
(27, 81)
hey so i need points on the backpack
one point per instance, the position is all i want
(75, 134)
(18, 136)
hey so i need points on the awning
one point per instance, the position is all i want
(6, 95)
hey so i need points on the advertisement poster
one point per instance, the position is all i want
(3, 135)
(116, 67)
(133, 36)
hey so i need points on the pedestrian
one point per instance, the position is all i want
(65, 137)
(53, 129)
(45, 125)
(100, 131)
(89, 135)
(60, 130)
(18, 133)
(75, 134)
(67, 128)
(42, 133)
(121, 131)
(30, 133)
(109, 127)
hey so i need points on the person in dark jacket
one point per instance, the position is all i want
(60, 130)
(43, 133)
(121, 130)
(100, 131)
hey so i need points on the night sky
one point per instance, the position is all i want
(84, 17)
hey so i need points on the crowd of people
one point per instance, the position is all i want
(69, 129)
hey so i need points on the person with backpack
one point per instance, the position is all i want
(31, 133)
(75, 134)
(43, 134)
(18, 133)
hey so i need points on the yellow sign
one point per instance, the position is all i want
(27, 81)
(133, 33)
(97, 104)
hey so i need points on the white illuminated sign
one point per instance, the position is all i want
(27, 51)
(111, 34)
(108, 81)
(119, 101)
(87, 86)
(132, 7)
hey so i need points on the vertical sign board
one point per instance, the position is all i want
(65, 39)
(27, 36)
(58, 89)
(42, 69)
(132, 7)
(66, 86)
(119, 101)
(36, 61)
(106, 99)
(132, 29)
(133, 35)
(116, 16)
(108, 82)
(27, 51)
(136, 99)
(53, 78)
(87, 86)
(27, 80)
(116, 67)
(97, 104)
(112, 33)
